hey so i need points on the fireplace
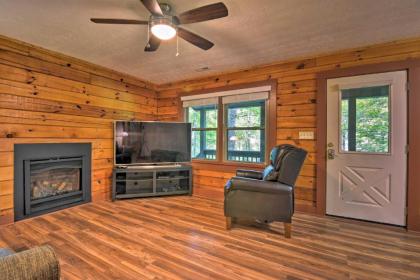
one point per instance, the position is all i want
(49, 177)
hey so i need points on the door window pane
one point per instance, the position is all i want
(204, 131)
(365, 119)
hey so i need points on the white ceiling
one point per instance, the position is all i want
(255, 32)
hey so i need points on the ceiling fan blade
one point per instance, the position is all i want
(209, 12)
(194, 39)
(153, 44)
(118, 21)
(153, 7)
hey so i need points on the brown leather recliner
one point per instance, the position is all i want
(268, 195)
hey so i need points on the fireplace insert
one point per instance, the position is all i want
(49, 177)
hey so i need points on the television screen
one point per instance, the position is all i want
(152, 142)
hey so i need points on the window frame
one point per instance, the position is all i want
(205, 129)
(226, 130)
(270, 124)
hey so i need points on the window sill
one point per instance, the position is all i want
(230, 165)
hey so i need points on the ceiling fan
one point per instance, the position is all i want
(164, 26)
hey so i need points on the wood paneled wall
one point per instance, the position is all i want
(296, 106)
(49, 97)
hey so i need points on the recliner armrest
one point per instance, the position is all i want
(253, 174)
(253, 185)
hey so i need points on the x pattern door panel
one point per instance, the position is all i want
(365, 186)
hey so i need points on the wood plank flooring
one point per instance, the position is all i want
(184, 238)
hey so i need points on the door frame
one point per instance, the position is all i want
(412, 66)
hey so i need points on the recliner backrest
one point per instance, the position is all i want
(289, 163)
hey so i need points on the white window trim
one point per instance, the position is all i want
(200, 102)
(245, 97)
(227, 93)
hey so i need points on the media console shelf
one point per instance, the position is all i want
(151, 181)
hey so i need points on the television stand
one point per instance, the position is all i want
(151, 180)
(156, 166)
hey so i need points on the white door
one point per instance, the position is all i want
(366, 147)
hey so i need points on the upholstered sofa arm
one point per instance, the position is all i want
(249, 174)
(36, 263)
(253, 185)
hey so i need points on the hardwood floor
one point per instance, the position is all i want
(185, 238)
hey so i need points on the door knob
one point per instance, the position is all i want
(330, 153)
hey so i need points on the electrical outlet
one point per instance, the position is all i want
(306, 135)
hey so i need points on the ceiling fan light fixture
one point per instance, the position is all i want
(164, 25)
(163, 29)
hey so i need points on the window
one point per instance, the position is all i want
(365, 119)
(203, 120)
(231, 126)
(245, 131)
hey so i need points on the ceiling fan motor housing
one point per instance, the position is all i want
(165, 19)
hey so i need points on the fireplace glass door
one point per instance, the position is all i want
(49, 182)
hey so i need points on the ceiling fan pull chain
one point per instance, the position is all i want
(177, 45)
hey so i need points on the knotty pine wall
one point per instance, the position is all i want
(50, 97)
(296, 106)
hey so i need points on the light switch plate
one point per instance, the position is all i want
(306, 135)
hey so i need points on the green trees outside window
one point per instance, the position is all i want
(203, 120)
(365, 119)
(243, 131)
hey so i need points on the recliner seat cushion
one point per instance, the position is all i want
(252, 185)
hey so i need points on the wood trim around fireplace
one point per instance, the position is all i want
(413, 183)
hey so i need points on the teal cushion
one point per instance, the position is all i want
(5, 252)
(270, 174)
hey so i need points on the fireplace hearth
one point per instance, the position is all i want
(49, 177)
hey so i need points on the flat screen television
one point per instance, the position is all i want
(151, 142)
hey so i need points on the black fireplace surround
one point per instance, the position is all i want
(49, 177)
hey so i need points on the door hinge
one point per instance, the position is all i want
(406, 149)
(405, 211)
(407, 87)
